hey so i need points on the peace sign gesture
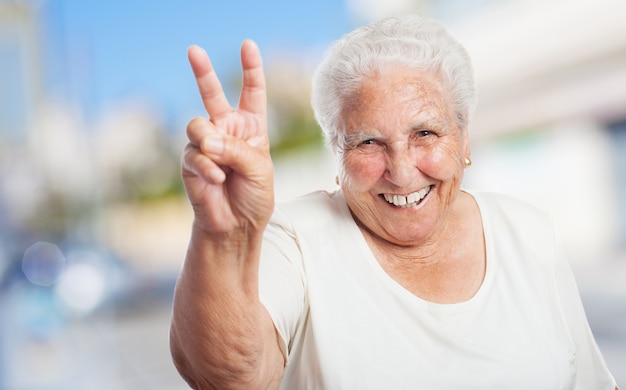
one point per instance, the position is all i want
(226, 166)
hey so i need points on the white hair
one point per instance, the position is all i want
(416, 42)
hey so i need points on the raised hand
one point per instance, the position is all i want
(226, 166)
(221, 335)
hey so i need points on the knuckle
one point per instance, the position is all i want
(196, 122)
(188, 150)
(195, 128)
(187, 157)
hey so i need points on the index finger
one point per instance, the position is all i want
(211, 91)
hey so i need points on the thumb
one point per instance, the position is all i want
(236, 154)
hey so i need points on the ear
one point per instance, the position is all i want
(467, 150)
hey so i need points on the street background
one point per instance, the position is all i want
(94, 100)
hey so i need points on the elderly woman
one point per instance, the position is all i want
(398, 280)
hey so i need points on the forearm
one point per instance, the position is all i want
(221, 335)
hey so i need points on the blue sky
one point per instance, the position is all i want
(102, 51)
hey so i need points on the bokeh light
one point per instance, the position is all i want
(81, 288)
(43, 263)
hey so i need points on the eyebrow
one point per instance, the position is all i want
(354, 139)
(429, 124)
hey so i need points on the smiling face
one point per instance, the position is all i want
(402, 161)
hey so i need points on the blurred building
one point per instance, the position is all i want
(59, 253)
(552, 103)
(20, 95)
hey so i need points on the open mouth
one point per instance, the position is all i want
(410, 200)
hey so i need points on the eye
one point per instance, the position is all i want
(421, 137)
(424, 133)
(371, 145)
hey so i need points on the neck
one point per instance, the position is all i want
(446, 267)
(426, 250)
(430, 250)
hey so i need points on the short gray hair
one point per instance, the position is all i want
(416, 42)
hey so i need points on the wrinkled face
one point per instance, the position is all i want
(402, 161)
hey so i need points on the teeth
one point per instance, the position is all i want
(407, 201)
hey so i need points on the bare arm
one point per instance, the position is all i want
(221, 336)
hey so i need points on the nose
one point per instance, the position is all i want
(401, 167)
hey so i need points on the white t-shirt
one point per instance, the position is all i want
(346, 324)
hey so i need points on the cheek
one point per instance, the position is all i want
(441, 163)
(362, 171)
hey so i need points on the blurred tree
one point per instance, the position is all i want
(291, 123)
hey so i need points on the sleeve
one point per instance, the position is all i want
(281, 279)
(591, 370)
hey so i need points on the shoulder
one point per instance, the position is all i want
(313, 209)
(518, 219)
(321, 200)
(511, 208)
(310, 221)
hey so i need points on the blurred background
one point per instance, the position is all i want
(94, 100)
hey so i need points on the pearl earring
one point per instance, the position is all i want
(468, 162)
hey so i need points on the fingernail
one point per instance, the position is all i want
(213, 144)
